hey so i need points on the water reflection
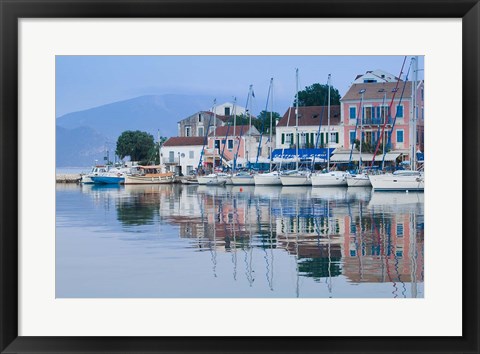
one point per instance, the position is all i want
(329, 241)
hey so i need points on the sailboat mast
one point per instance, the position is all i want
(328, 128)
(361, 133)
(214, 131)
(414, 149)
(247, 154)
(296, 140)
(271, 124)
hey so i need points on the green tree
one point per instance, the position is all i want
(264, 118)
(138, 145)
(317, 95)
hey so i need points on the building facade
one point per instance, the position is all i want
(371, 109)
(181, 154)
(310, 120)
(198, 123)
(235, 142)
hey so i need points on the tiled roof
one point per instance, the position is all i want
(222, 131)
(377, 90)
(311, 116)
(184, 141)
(220, 117)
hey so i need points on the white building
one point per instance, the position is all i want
(309, 121)
(181, 154)
(227, 108)
(375, 76)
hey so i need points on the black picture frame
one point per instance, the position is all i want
(12, 11)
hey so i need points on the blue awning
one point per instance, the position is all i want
(304, 154)
(419, 156)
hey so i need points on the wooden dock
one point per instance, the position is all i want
(68, 178)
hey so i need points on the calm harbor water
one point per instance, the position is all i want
(178, 241)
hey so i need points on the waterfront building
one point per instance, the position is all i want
(181, 154)
(309, 120)
(198, 123)
(240, 142)
(375, 76)
(374, 91)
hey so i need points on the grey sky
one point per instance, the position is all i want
(84, 82)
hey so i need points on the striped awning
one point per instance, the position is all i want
(345, 157)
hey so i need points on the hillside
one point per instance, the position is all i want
(82, 136)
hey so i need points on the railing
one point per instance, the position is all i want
(377, 121)
(172, 161)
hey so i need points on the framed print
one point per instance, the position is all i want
(246, 176)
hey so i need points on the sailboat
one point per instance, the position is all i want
(359, 179)
(330, 178)
(271, 178)
(246, 177)
(213, 179)
(296, 177)
(404, 180)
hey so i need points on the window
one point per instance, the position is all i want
(189, 168)
(367, 112)
(188, 130)
(230, 144)
(400, 230)
(399, 136)
(200, 118)
(334, 137)
(191, 154)
(400, 111)
(289, 138)
(353, 228)
(217, 144)
(201, 131)
(227, 111)
(353, 136)
(353, 112)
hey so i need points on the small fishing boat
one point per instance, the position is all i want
(148, 175)
(95, 171)
(113, 176)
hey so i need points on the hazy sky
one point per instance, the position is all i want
(84, 82)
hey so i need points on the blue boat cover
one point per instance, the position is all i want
(320, 154)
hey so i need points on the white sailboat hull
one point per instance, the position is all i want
(296, 180)
(268, 179)
(360, 180)
(243, 180)
(329, 179)
(390, 182)
(212, 180)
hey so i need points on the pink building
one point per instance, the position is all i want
(387, 106)
(230, 141)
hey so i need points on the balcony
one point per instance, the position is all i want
(171, 161)
(377, 121)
